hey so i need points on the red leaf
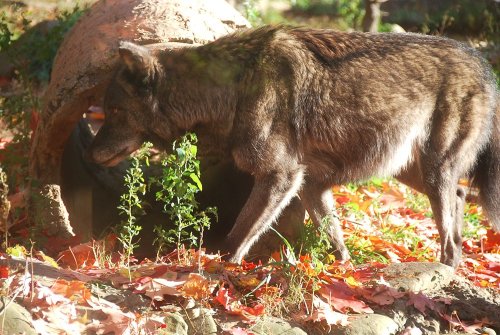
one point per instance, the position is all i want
(381, 294)
(4, 272)
(234, 306)
(254, 311)
(422, 302)
(157, 288)
(341, 297)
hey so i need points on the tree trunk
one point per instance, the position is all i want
(371, 20)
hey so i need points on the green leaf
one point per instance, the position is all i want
(194, 150)
(180, 153)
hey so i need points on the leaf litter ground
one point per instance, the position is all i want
(384, 222)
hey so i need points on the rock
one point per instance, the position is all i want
(15, 319)
(427, 324)
(175, 325)
(367, 324)
(201, 321)
(267, 325)
(418, 277)
(271, 325)
(396, 28)
(123, 298)
(487, 331)
(54, 221)
(472, 303)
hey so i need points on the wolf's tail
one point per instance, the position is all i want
(487, 174)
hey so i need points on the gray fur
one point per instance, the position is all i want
(303, 109)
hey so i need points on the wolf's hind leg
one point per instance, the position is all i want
(450, 235)
(447, 202)
(319, 203)
(270, 194)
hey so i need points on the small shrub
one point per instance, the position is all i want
(252, 14)
(473, 222)
(350, 12)
(33, 60)
(178, 185)
(36, 49)
(131, 203)
(362, 250)
(315, 242)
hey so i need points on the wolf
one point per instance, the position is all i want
(302, 109)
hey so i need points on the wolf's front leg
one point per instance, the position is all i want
(319, 203)
(270, 194)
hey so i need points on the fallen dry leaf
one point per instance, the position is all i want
(157, 288)
(322, 311)
(422, 302)
(342, 298)
(381, 294)
(196, 287)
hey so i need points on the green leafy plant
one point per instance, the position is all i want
(31, 53)
(4, 205)
(473, 218)
(314, 241)
(350, 12)
(362, 250)
(418, 202)
(12, 25)
(178, 185)
(252, 13)
(131, 203)
(300, 268)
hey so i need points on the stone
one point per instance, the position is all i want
(367, 324)
(15, 319)
(418, 277)
(271, 325)
(174, 325)
(427, 324)
(201, 321)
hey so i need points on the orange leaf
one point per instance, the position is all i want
(78, 256)
(196, 287)
(74, 290)
(249, 312)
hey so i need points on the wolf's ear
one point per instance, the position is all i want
(137, 58)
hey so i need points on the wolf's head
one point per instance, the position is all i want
(130, 107)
